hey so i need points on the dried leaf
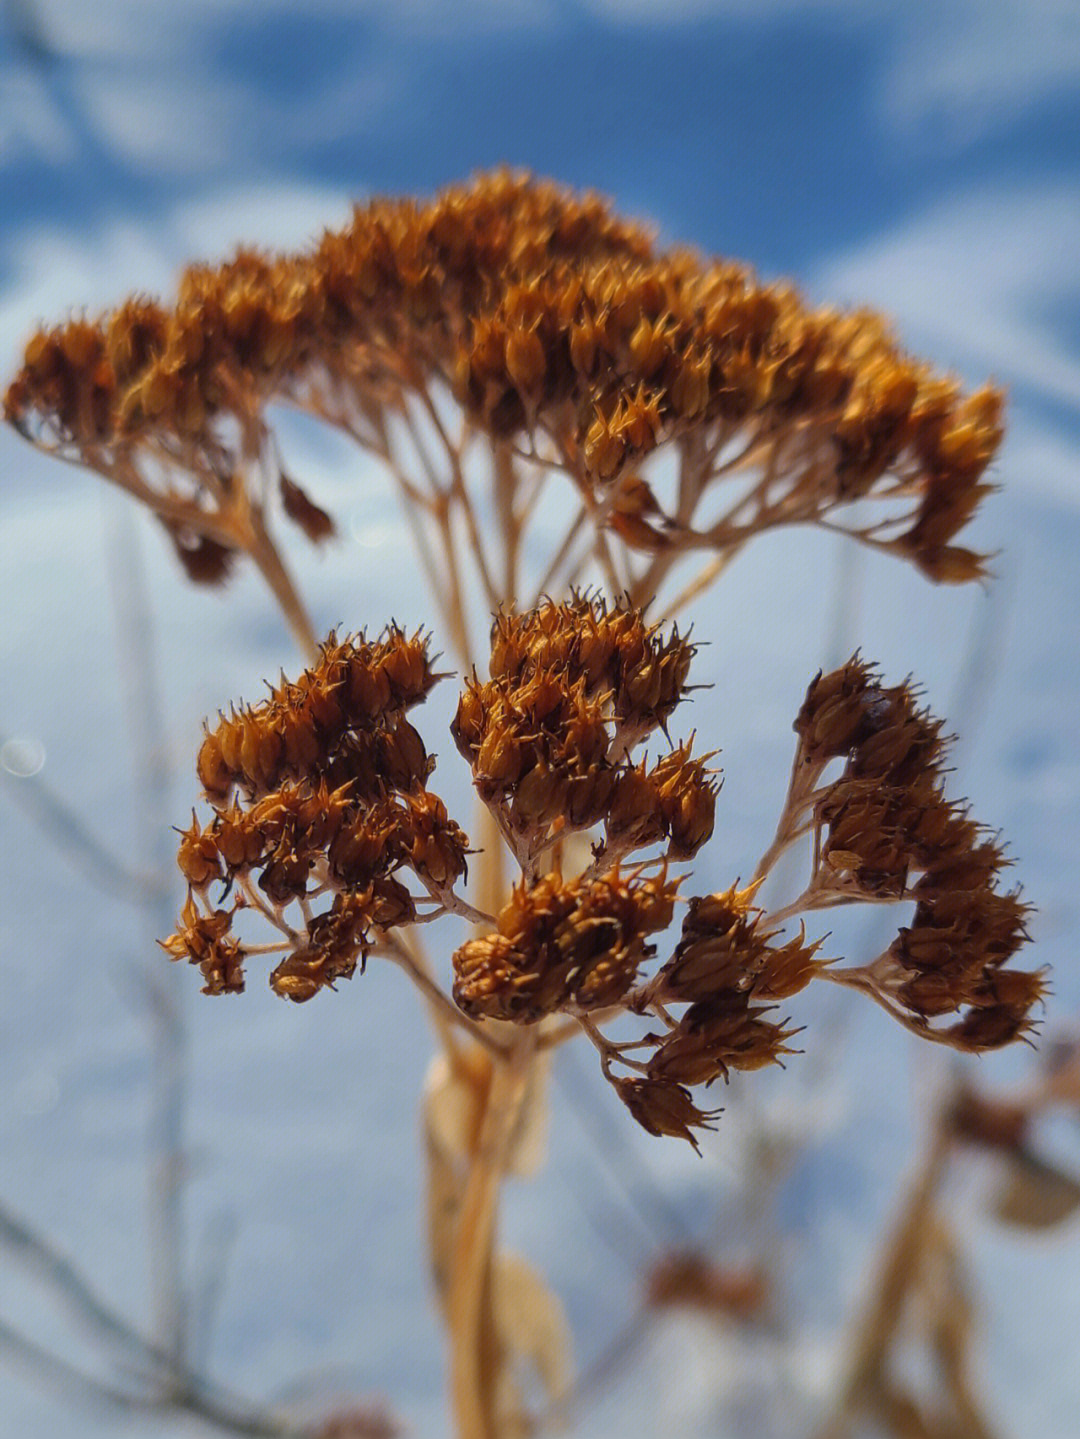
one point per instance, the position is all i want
(528, 1146)
(1061, 1077)
(445, 1189)
(1036, 1195)
(455, 1094)
(531, 1324)
(313, 520)
(901, 1417)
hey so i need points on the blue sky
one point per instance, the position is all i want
(925, 160)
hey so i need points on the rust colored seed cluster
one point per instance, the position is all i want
(572, 687)
(353, 696)
(722, 968)
(886, 820)
(663, 1107)
(546, 316)
(727, 974)
(319, 789)
(674, 801)
(563, 945)
(537, 748)
(610, 648)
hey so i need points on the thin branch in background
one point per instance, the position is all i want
(59, 1373)
(137, 659)
(40, 1257)
(209, 1278)
(164, 1384)
(656, 1210)
(75, 841)
(600, 1373)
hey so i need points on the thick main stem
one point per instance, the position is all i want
(470, 1321)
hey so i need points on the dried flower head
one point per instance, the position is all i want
(885, 830)
(559, 945)
(320, 789)
(561, 331)
(663, 1107)
(573, 688)
(501, 338)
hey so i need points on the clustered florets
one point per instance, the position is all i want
(887, 819)
(320, 789)
(573, 945)
(573, 688)
(554, 325)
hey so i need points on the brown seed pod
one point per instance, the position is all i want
(662, 1108)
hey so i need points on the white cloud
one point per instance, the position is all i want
(161, 91)
(57, 270)
(168, 124)
(954, 70)
(30, 127)
(969, 66)
(149, 29)
(280, 216)
(951, 72)
(977, 280)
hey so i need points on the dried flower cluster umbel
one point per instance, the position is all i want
(885, 829)
(320, 790)
(558, 329)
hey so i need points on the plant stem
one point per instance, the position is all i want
(901, 1255)
(264, 552)
(469, 1302)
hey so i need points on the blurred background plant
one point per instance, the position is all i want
(186, 1289)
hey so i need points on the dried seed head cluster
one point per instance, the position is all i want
(727, 974)
(885, 829)
(563, 945)
(573, 687)
(319, 790)
(511, 331)
(555, 326)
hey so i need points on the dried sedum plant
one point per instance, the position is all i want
(502, 338)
